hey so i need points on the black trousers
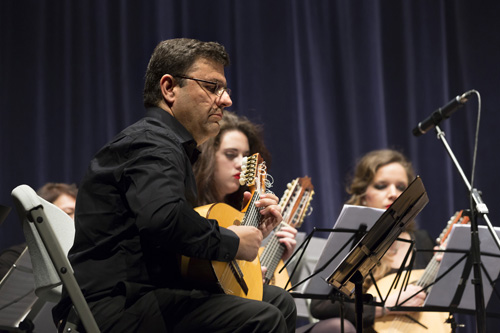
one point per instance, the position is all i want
(172, 310)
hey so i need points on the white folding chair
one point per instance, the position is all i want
(50, 234)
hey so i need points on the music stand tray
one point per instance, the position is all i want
(443, 292)
(370, 249)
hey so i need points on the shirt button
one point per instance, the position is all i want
(226, 256)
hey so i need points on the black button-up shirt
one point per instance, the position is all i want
(134, 212)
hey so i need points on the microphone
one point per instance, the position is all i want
(440, 114)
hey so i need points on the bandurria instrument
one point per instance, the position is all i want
(295, 205)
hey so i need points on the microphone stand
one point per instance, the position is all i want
(478, 209)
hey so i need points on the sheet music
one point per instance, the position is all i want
(351, 217)
(443, 291)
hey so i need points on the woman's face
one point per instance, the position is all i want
(389, 182)
(233, 147)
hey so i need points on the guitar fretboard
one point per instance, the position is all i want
(252, 216)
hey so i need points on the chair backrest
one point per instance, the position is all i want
(48, 285)
(50, 234)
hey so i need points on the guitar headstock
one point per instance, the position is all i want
(253, 173)
(458, 218)
(296, 200)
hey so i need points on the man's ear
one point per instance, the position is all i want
(167, 84)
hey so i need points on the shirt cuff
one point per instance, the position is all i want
(229, 245)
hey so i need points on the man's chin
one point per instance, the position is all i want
(214, 129)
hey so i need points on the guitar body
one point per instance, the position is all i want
(238, 277)
(434, 321)
(279, 279)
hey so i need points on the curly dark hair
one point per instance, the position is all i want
(175, 57)
(204, 168)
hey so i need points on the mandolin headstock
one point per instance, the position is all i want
(253, 173)
(295, 202)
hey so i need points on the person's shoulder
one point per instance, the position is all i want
(146, 133)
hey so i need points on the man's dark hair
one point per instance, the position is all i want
(175, 57)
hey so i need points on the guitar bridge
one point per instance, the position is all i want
(238, 274)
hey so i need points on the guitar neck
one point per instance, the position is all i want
(294, 204)
(252, 215)
(430, 273)
(272, 254)
(432, 268)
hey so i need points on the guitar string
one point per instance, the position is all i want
(274, 247)
(250, 218)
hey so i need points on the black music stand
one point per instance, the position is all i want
(453, 288)
(351, 225)
(349, 275)
(478, 209)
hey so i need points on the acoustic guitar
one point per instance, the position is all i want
(295, 204)
(416, 322)
(237, 277)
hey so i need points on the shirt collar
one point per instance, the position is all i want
(182, 134)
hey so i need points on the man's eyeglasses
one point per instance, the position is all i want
(216, 88)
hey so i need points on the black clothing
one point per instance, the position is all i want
(324, 309)
(158, 310)
(134, 217)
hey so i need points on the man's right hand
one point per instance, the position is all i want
(250, 241)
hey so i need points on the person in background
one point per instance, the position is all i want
(135, 215)
(379, 178)
(218, 168)
(60, 194)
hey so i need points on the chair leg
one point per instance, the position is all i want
(73, 323)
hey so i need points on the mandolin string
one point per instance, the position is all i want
(250, 218)
(274, 250)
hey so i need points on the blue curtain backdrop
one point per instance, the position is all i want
(329, 80)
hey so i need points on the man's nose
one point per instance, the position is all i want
(224, 101)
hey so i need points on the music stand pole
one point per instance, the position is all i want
(475, 252)
(357, 279)
(480, 205)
